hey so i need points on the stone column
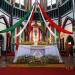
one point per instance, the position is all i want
(27, 4)
(43, 3)
(19, 4)
(12, 1)
(30, 3)
(11, 23)
(73, 1)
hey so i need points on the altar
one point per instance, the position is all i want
(37, 51)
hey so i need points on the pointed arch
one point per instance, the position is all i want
(5, 20)
(7, 34)
(67, 18)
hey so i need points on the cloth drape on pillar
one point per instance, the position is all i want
(39, 35)
(17, 38)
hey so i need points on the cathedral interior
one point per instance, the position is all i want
(35, 27)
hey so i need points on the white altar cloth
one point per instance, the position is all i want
(49, 50)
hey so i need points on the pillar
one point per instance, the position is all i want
(73, 1)
(12, 1)
(19, 4)
(27, 4)
(17, 39)
(39, 35)
(43, 4)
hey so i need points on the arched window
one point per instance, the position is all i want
(50, 2)
(20, 1)
(33, 1)
(17, 1)
(53, 1)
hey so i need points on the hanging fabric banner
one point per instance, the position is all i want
(53, 23)
(17, 23)
(47, 24)
(26, 23)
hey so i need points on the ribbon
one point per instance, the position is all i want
(53, 23)
(26, 23)
(47, 25)
(17, 23)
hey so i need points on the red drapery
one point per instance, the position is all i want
(53, 23)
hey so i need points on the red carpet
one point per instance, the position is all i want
(36, 71)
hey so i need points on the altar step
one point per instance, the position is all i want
(27, 65)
